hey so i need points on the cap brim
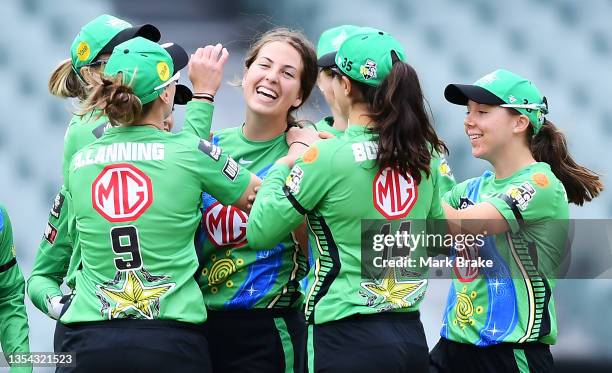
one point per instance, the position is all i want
(327, 60)
(183, 95)
(146, 31)
(459, 94)
(180, 58)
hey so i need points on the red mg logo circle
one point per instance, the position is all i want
(467, 273)
(225, 225)
(394, 194)
(121, 193)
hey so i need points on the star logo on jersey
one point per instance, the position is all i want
(521, 195)
(135, 296)
(444, 168)
(368, 70)
(394, 291)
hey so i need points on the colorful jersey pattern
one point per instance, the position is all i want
(58, 256)
(512, 300)
(336, 184)
(237, 275)
(13, 317)
(136, 196)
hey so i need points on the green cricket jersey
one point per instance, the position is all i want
(13, 317)
(510, 301)
(58, 255)
(336, 184)
(238, 275)
(327, 124)
(136, 194)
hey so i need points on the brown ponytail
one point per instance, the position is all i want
(550, 146)
(116, 100)
(406, 137)
(64, 82)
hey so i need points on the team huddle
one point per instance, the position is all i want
(240, 249)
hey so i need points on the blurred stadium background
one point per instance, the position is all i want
(564, 46)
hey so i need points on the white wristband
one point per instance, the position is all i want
(54, 307)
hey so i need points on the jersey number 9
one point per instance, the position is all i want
(124, 240)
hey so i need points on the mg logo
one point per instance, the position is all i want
(467, 272)
(225, 225)
(394, 194)
(121, 193)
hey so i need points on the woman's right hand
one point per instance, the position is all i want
(206, 68)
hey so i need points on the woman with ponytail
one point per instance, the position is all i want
(135, 195)
(362, 317)
(58, 257)
(501, 318)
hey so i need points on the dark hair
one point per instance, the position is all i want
(116, 100)
(303, 46)
(406, 137)
(549, 145)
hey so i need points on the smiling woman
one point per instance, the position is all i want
(252, 293)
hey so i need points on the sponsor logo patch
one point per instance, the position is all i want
(294, 179)
(521, 195)
(225, 225)
(209, 149)
(444, 168)
(57, 205)
(368, 71)
(163, 71)
(394, 194)
(231, 169)
(83, 51)
(50, 233)
(311, 154)
(121, 193)
(540, 179)
(464, 203)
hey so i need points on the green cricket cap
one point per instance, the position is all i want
(331, 39)
(147, 66)
(366, 56)
(506, 89)
(104, 33)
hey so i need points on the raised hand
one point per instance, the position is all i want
(206, 68)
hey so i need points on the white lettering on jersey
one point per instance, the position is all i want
(366, 150)
(119, 152)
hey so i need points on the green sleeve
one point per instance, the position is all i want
(273, 216)
(70, 147)
(286, 196)
(53, 256)
(198, 118)
(221, 176)
(13, 316)
(525, 200)
(453, 196)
